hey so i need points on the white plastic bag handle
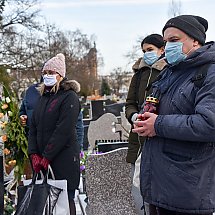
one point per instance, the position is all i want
(51, 171)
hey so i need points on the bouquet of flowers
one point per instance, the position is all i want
(12, 134)
(9, 207)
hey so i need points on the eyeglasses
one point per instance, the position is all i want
(49, 72)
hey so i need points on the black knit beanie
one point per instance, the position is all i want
(194, 26)
(154, 39)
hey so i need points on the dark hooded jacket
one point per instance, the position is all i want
(143, 77)
(29, 102)
(52, 132)
(178, 164)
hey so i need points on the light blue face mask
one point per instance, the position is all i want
(150, 57)
(174, 53)
(50, 80)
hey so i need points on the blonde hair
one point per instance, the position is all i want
(54, 89)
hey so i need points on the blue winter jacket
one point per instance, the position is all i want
(80, 130)
(29, 102)
(178, 164)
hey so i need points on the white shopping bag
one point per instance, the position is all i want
(62, 205)
(136, 178)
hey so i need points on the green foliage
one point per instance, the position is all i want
(105, 88)
(5, 78)
(13, 133)
(8, 206)
(85, 111)
(83, 160)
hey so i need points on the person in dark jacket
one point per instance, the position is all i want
(80, 130)
(146, 70)
(178, 159)
(29, 102)
(52, 135)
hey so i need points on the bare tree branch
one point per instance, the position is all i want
(22, 12)
(175, 8)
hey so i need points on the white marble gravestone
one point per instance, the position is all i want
(102, 129)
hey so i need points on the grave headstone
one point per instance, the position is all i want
(96, 109)
(102, 129)
(115, 108)
(108, 184)
(124, 125)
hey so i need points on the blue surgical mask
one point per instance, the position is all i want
(150, 57)
(174, 53)
(50, 80)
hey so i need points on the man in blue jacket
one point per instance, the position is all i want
(178, 160)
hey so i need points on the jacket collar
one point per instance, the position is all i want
(159, 65)
(70, 85)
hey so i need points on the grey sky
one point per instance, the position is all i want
(117, 24)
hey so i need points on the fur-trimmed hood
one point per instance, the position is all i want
(136, 65)
(71, 84)
(159, 65)
(140, 63)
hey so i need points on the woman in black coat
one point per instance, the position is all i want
(52, 136)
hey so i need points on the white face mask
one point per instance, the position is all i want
(50, 80)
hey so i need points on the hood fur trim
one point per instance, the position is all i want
(71, 84)
(136, 65)
(159, 65)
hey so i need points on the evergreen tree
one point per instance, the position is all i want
(105, 88)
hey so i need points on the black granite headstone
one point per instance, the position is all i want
(115, 108)
(97, 108)
(107, 145)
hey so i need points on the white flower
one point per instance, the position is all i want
(8, 100)
(3, 99)
(16, 169)
(10, 113)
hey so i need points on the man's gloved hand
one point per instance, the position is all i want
(36, 159)
(44, 163)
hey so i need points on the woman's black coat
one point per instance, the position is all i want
(53, 135)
